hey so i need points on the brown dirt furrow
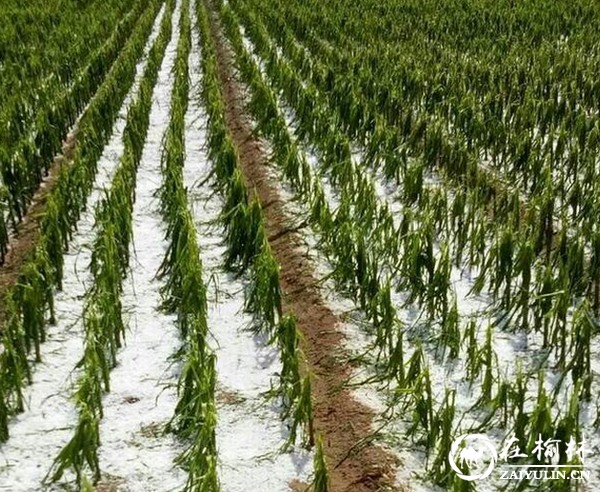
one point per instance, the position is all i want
(355, 463)
(24, 239)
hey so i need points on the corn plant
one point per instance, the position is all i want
(302, 417)
(34, 296)
(196, 388)
(321, 482)
(540, 420)
(184, 292)
(449, 337)
(290, 382)
(584, 326)
(3, 225)
(264, 294)
(200, 458)
(14, 368)
(4, 413)
(441, 470)
(81, 449)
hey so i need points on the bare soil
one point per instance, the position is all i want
(355, 463)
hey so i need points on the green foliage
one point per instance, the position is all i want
(81, 450)
(321, 482)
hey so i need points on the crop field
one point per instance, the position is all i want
(304, 246)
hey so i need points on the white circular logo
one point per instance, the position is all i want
(473, 456)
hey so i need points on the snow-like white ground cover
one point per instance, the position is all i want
(38, 434)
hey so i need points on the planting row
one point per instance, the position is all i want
(248, 250)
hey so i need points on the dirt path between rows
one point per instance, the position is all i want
(355, 463)
(24, 240)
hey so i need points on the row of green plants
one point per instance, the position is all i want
(248, 252)
(28, 306)
(420, 394)
(184, 292)
(104, 326)
(34, 130)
